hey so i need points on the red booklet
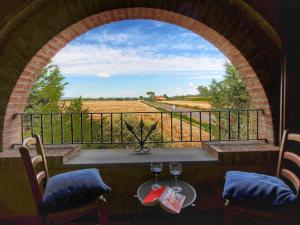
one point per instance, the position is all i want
(152, 198)
(166, 197)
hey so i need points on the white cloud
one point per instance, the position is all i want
(106, 37)
(103, 75)
(158, 23)
(185, 91)
(207, 77)
(88, 59)
(191, 84)
(188, 46)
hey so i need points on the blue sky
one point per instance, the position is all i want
(129, 58)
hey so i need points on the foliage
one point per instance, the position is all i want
(230, 92)
(203, 91)
(76, 105)
(47, 91)
(46, 98)
(150, 94)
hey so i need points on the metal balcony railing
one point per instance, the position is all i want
(171, 127)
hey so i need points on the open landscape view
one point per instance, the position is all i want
(139, 83)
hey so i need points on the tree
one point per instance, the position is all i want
(46, 91)
(76, 106)
(151, 95)
(203, 91)
(230, 92)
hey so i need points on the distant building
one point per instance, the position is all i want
(159, 98)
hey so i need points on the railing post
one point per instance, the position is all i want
(121, 117)
(238, 125)
(81, 128)
(161, 128)
(42, 128)
(171, 126)
(101, 126)
(180, 126)
(191, 127)
(61, 129)
(219, 132)
(72, 129)
(209, 121)
(257, 124)
(31, 124)
(247, 124)
(22, 127)
(111, 128)
(200, 125)
(229, 126)
(92, 139)
(52, 132)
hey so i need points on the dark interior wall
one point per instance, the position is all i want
(284, 16)
(268, 9)
(9, 8)
(289, 17)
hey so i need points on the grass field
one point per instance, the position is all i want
(200, 105)
(97, 106)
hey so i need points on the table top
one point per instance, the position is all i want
(187, 190)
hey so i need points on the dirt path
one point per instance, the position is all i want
(170, 108)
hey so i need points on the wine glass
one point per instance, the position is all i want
(175, 169)
(156, 168)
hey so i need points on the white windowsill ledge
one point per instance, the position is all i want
(114, 157)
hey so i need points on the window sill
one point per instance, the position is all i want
(114, 157)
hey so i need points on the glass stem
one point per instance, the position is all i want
(156, 175)
(175, 180)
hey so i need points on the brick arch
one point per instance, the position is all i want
(240, 57)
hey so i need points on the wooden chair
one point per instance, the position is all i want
(37, 179)
(271, 215)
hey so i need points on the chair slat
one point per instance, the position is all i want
(281, 153)
(40, 176)
(292, 178)
(31, 175)
(294, 137)
(36, 160)
(40, 151)
(292, 157)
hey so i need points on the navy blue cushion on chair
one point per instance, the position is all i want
(72, 189)
(258, 188)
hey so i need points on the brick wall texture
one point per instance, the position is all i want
(39, 30)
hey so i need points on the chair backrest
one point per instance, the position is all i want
(35, 177)
(284, 155)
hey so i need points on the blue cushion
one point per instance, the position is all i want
(253, 187)
(72, 189)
